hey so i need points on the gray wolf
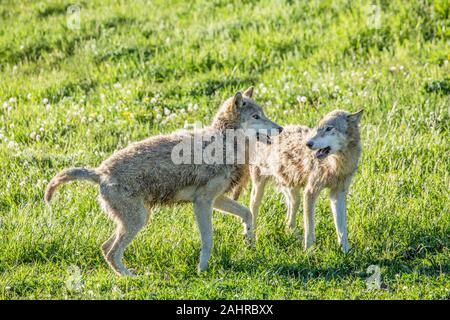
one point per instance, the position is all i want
(143, 175)
(324, 157)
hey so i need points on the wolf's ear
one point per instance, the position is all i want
(249, 92)
(355, 117)
(236, 102)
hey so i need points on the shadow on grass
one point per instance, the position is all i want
(421, 254)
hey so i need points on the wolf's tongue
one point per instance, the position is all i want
(322, 152)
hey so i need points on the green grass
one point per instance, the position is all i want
(73, 97)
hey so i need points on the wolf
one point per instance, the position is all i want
(143, 175)
(324, 157)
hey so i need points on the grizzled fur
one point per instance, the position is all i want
(326, 156)
(143, 174)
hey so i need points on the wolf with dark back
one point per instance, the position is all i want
(324, 157)
(143, 175)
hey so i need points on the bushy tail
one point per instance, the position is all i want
(69, 175)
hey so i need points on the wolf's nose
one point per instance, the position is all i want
(280, 129)
(309, 144)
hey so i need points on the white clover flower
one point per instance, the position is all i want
(158, 116)
(301, 99)
(11, 126)
(195, 106)
(392, 69)
(166, 111)
(12, 100)
(48, 107)
(286, 112)
(337, 89)
(29, 96)
(11, 145)
(117, 85)
(41, 129)
(153, 100)
(189, 108)
(33, 135)
(22, 183)
(45, 101)
(315, 88)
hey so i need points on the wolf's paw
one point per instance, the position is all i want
(249, 234)
(202, 267)
(345, 247)
(250, 241)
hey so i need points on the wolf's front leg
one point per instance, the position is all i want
(309, 202)
(227, 205)
(203, 215)
(338, 204)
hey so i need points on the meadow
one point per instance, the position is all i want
(77, 85)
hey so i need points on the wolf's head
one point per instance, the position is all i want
(334, 133)
(241, 112)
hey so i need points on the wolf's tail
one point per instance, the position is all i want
(69, 175)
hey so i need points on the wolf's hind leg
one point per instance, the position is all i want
(292, 202)
(130, 216)
(227, 205)
(106, 246)
(258, 186)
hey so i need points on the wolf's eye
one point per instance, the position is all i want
(255, 116)
(328, 128)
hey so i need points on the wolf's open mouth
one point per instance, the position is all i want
(322, 153)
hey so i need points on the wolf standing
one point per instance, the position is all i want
(140, 176)
(326, 156)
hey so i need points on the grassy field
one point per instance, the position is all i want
(72, 96)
